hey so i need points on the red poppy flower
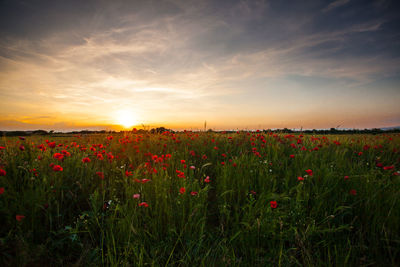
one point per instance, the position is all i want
(194, 193)
(300, 178)
(273, 204)
(21, 147)
(2, 172)
(143, 181)
(86, 160)
(143, 204)
(379, 165)
(136, 196)
(291, 156)
(58, 156)
(100, 156)
(19, 217)
(2, 190)
(66, 153)
(21, 138)
(100, 175)
(207, 179)
(57, 168)
(309, 172)
(346, 177)
(180, 174)
(52, 144)
(182, 190)
(388, 168)
(353, 192)
(128, 173)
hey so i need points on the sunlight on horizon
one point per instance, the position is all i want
(126, 118)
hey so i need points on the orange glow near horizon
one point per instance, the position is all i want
(126, 119)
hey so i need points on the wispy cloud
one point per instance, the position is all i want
(335, 4)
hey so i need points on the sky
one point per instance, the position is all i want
(73, 65)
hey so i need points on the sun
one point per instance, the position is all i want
(126, 118)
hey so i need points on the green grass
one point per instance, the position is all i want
(73, 217)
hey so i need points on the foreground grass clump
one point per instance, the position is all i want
(211, 199)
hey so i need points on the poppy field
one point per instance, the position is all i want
(200, 198)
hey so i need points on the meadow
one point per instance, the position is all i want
(201, 199)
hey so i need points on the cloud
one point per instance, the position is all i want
(184, 61)
(335, 4)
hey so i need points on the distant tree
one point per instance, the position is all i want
(40, 132)
(376, 131)
(286, 130)
(159, 130)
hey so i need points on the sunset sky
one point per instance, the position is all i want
(72, 65)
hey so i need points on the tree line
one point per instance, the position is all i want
(160, 130)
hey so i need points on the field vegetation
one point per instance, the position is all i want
(200, 199)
